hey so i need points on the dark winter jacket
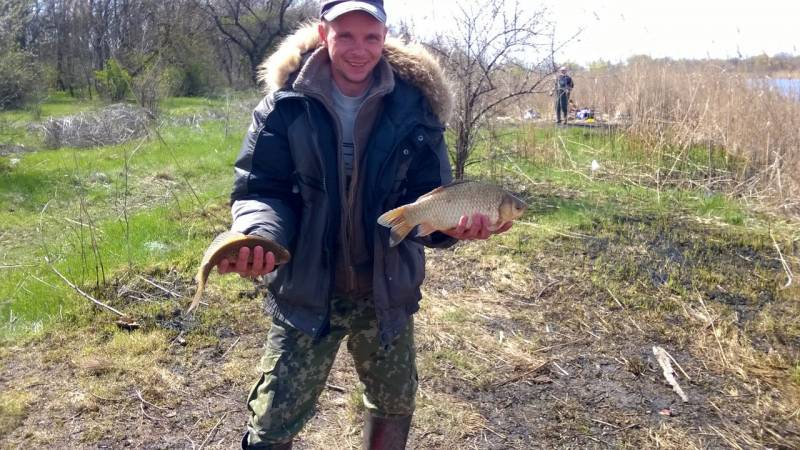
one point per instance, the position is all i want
(289, 183)
(564, 84)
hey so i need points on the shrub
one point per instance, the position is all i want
(19, 78)
(114, 81)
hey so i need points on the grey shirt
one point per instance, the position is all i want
(347, 110)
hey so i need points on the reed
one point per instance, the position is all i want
(678, 106)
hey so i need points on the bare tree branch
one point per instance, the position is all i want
(492, 58)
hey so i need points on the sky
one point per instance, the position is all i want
(613, 30)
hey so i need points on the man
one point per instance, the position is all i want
(563, 88)
(351, 127)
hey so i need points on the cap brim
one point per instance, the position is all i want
(350, 6)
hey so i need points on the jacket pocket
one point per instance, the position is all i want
(405, 271)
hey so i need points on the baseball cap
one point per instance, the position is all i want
(331, 9)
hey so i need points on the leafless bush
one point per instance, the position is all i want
(112, 125)
(500, 53)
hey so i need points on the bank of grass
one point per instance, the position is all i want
(97, 211)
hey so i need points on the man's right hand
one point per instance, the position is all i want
(262, 263)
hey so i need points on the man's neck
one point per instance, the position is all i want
(351, 89)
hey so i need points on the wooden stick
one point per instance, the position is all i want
(521, 376)
(559, 368)
(231, 347)
(84, 294)
(158, 286)
(786, 268)
(714, 330)
(625, 310)
(211, 433)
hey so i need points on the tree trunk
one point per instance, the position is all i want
(462, 152)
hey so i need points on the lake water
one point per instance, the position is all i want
(789, 87)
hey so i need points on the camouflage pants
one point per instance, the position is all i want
(295, 368)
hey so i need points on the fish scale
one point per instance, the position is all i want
(446, 211)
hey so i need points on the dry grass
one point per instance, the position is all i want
(546, 347)
(674, 105)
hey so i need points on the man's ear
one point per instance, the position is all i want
(323, 32)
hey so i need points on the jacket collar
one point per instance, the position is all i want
(314, 77)
(411, 63)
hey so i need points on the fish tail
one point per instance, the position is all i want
(396, 220)
(197, 296)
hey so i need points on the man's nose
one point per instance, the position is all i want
(359, 48)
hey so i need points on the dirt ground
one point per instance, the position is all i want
(518, 348)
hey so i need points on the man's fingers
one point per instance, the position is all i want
(258, 261)
(476, 226)
(483, 232)
(262, 262)
(269, 263)
(242, 260)
(462, 224)
(222, 267)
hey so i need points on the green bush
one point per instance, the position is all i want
(19, 78)
(196, 81)
(114, 82)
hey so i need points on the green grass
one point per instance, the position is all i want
(47, 194)
(14, 407)
(170, 185)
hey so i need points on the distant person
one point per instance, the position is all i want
(563, 88)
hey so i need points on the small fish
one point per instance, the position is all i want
(442, 208)
(227, 245)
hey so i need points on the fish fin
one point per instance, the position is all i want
(392, 217)
(225, 236)
(399, 232)
(220, 240)
(441, 188)
(425, 229)
(396, 220)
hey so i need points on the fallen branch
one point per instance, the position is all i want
(664, 361)
(84, 294)
(625, 311)
(158, 286)
(562, 370)
(211, 433)
(786, 268)
(336, 388)
(521, 376)
(231, 347)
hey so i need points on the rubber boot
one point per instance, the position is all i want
(386, 433)
(283, 446)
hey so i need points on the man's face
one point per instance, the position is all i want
(355, 42)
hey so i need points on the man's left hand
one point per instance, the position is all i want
(478, 228)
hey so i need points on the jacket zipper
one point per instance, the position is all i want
(344, 208)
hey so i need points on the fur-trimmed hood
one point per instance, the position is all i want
(410, 62)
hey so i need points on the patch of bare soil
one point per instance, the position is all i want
(13, 149)
(547, 348)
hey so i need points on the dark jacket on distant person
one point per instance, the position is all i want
(564, 84)
(290, 184)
